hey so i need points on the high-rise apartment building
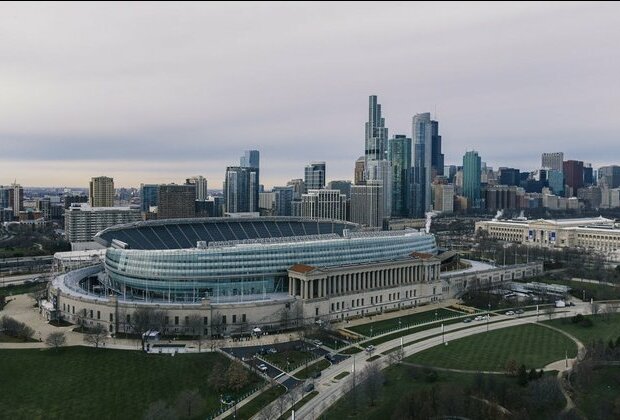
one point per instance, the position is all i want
(376, 132)
(82, 222)
(250, 159)
(443, 198)
(283, 198)
(367, 204)
(241, 189)
(509, 176)
(324, 204)
(201, 187)
(379, 172)
(399, 155)
(343, 186)
(472, 165)
(101, 192)
(553, 160)
(299, 187)
(315, 176)
(176, 201)
(422, 150)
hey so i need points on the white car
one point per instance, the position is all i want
(262, 367)
(478, 318)
(509, 313)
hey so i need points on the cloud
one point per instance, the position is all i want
(181, 87)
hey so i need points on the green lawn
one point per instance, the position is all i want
(380, 327)
(299, 404)
(351, 350)
(592, 290)
(258, 402)
(600, 399)
(290, 359)
(83, 382)
(341, 375)
(408, 393)
(532, 345)
(19, 289)
(602, 328)
(318, 366)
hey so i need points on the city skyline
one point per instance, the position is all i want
(95, 89)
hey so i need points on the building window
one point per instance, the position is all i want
(91, 313)
(337, 306)
(128, 319)
(353, 303)
(243, 318)
(372, 299)
(73, 309)
(166, 320)
(176, 320)
(186, 320)
(332, 307)
(223, 319)
(415, 292)
(98, 315)
(316, 311)
(234, 319)
(206, 321)
(63, 307)
(111, 317)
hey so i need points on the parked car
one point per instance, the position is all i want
(467, 320)
(317, 343)
(329, 357)
(309, 387)
(510, 313)
(478, 318)
(262, 367)
(272, 350)
(315, 374)
(370, 349)
(519, 311)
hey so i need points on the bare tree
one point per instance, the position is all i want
(237, 375)
(195, 325)
(56, 339)
(96, 335)
(217, 380)
(81, 318)
(373, 381)
(145, 319)
(189, 403)
(549, 310)
(159, 410)
(396, 356)
(281, 403)
(217, 325)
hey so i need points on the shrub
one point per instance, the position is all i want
(586, 323)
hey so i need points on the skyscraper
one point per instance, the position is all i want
(324, 204)
(360, 166)
(553, 160)
(610, 176)
(241, 189)
(376, 133)
(176, 201)
(315, 176)
(367, 204)
(422, 148)
(283, 199)
(250, 159)
(343, 186)
(379, 172)
(471, 178)
(509, 176)
(573, 176)
(399, 155)
(101, 192)
(436, 155)
(299, 187)
(201, 187)
(148, 195)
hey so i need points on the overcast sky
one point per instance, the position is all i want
(151, 92)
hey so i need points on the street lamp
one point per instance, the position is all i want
(399, 323)
(488, 316)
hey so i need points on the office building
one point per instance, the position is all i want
(511, 176)
(367, 204)
(588, 174)
(422, 150)
(436, 155)
(503, 197)
(176, 201)
(553, 161)
(101, 192)
(591, 196)
(376, 132)
(443, 198)
(379, 172)
(609, 176)
(266, 203)
(399, 155)
(555, 180)
(299, 187)
(324, 204)
(573, 176)
(343, 186)
(360, 167)
(315, 176)
(250, 159)
(149, 194)
(241, 190)
(472, 165)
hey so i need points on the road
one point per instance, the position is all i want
(13, 280)
(330, 389)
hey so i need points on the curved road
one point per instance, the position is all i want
(330, 389)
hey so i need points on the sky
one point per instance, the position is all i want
(158, 92)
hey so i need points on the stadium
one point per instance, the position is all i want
(249, 269)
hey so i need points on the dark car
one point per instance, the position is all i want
(315, 374)
(329, 357)
(309, 387)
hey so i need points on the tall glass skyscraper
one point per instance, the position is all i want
(436, 155)
(471, 178)
(149, 195)
(315, 176)
(241, 189)
(422, 148)
(399, 155)
(250, 159)
(376, 133)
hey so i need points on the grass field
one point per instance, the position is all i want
(601, 328)
(531, 345)
(83, 382)
(258, 402)
(299, 404)
(19, 289)
(380, 327)
(351, 350)
(600, 399)
(315, 367)
(449, 391)
(289, 359)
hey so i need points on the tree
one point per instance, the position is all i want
(56, 339)
(216, 379)
(217, 326)
(238, 376)
(195, 325)
(396, 356)
(549, 310)
(145, 319)
(522, 375)
(159, 410)
(511, 367)
(80, 318)
(189, 403)
(14, 328)
(374, 380)
(96, 335)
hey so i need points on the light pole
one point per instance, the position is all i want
(488, 316)
(399, 323)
